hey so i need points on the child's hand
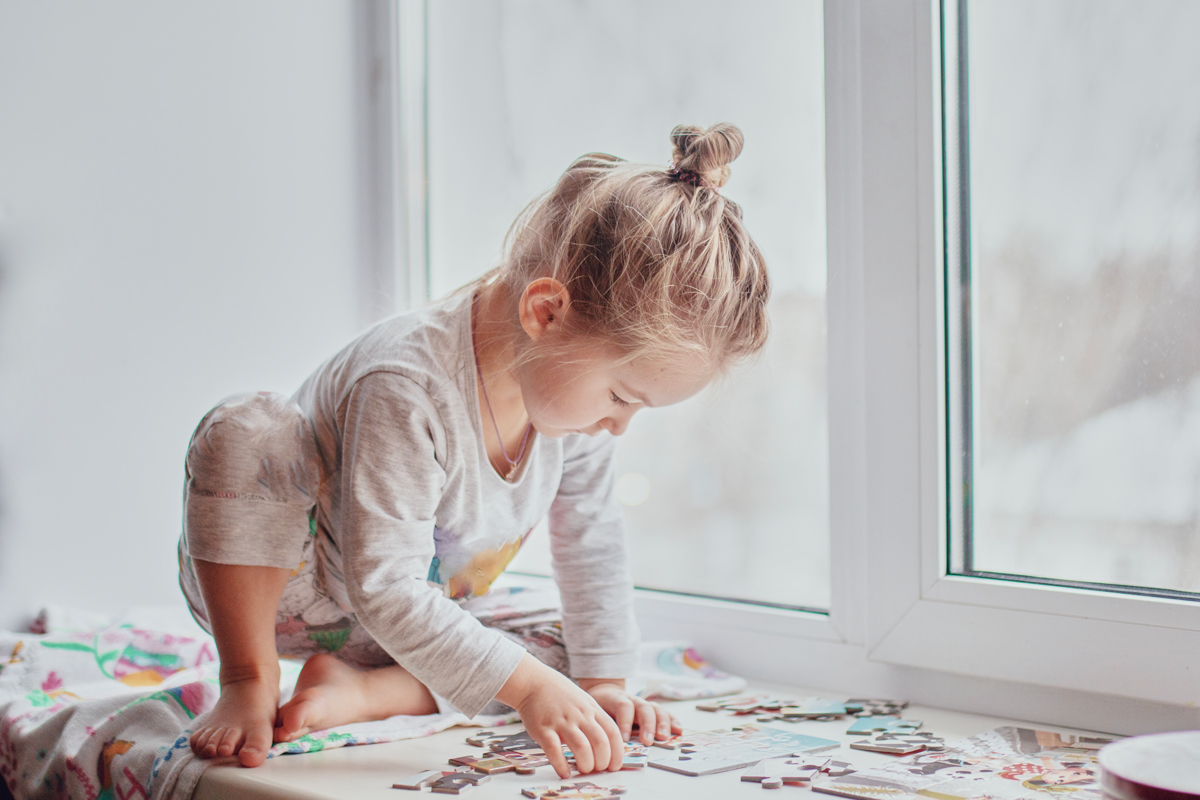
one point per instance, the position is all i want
(557, 712)
(653, 721)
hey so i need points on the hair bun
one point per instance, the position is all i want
(707, 152)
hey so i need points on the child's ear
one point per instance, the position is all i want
(543, 307)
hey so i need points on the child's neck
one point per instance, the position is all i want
(495, 355)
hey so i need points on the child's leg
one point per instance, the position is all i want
(252, 480)
(240, 602)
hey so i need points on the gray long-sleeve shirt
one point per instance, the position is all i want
(411, 515)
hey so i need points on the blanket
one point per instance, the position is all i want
(101, 709)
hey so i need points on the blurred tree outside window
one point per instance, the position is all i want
(1084, 125)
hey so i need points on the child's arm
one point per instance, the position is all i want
(591, 565)
(391, 483)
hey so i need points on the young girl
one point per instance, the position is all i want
(353, 523)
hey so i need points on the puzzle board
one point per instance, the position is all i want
(722, 750)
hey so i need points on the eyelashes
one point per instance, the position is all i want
(617, 400)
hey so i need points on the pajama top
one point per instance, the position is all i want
(411, 516)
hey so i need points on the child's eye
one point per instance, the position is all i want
(617, 400)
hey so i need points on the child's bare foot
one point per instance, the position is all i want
(241, 722)
(330, 692)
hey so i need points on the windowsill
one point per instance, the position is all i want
(369, 771)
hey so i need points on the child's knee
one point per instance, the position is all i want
(257, 445)
(252, 481)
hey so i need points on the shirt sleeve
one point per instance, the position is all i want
(391, 484)
(591, 562)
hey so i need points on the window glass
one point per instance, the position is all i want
(726, 494)
(1084, 128)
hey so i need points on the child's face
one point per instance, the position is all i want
(581, 387)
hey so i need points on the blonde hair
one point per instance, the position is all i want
(655, 260)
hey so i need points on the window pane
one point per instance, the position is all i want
(1084, 176)
(727, 494)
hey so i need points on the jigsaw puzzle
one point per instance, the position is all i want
(900, 743)
(442, 782)
(792, 771)
(886, 724)
(582, 790)
(495, 763)
(722, 750)
(873, 707)
(511, 743)
(771, 708)
(1006, 762)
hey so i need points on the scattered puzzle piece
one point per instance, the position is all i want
(583, 790)
(495, 763)
(794, 771)
(420, 781)
(457, 782)
(839, 769)
(874, 707)
(718, 751)
(887, 724)
(520, 741)
(811, 707)
(901, 744)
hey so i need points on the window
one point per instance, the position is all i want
(726, 494)
(997, 628)
(1080, 292)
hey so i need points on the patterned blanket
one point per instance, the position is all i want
(102, 709)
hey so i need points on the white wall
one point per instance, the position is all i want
(178, 222)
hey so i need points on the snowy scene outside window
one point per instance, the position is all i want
(727, 493)
(1084, 129)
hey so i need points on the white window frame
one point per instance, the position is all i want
(899, 624)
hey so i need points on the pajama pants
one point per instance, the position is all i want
(251, 486)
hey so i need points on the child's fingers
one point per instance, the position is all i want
(665, 721)
(676, 726)
(552, 745)
(601, 738)
(581, 748)
(623, 715)
(616, 741)
(646, 721)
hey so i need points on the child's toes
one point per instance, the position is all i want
(294, 718)
(254, 751)
(199, 739)
(209, 748)
(229, 742)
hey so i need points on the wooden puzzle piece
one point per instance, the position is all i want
(794, 771)
(887, 724)
(457, 782)
(719, 751)
(900, 744)
(583, 790)
(875, 707)
(420, 781)
(813, 707)
(519, 741)
(838, 769)
(514, 742)
(495, 763)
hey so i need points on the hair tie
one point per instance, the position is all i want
(688, 176)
